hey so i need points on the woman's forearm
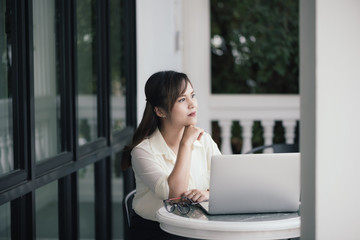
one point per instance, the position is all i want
(178, 180)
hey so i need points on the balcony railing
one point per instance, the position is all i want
(267, 109)
(250, 108)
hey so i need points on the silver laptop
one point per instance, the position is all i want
(254, 183)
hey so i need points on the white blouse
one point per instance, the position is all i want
(153, 161)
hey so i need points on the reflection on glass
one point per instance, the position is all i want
(86, 71)
(117, 196)
(86, 202)
(47, 206)
(47, 100)
(5, 221)
(6, 130)
(118, 105)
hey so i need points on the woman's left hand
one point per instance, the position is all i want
(197, 195)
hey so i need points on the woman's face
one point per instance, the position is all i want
(184, 110)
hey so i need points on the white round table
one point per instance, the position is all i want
(197, 224)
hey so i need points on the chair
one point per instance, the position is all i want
(127, 207)
(277, 148)
(128, 212)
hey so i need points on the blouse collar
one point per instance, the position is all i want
(159, 146)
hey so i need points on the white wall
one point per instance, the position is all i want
(336, 115)
(157, 24)
(174, 35)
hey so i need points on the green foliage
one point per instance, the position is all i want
(258, 133)
(236, 137)
(279, 133)
(254, 46)
(116, 24)
(86, 47)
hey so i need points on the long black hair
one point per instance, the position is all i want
(161, 90)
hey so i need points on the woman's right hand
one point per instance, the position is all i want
(191, 134)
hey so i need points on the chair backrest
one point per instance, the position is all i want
(285, 148)
(127, 207)
(277, 148)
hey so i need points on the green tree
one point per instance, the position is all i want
(86, 46)
(254, 46)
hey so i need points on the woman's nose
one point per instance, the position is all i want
(192, 103)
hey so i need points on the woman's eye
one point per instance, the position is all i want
(193, 96)
(181, 99)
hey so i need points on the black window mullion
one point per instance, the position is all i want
(103, 69)
(22, 204)
(130, 61)
(22, 208)
(68, 185)
(68, 207)
(29, 80)
(20, 87)
(16, 34)
(23, 217)
(29, 86)
(130, 76)
(103, 206)
(72, 81)
(64, 50)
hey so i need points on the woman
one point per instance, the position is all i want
(169, 154)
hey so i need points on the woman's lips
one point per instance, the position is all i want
(193, 114)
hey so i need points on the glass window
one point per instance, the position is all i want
(117, 196)
(47, 99)
(47, 207)
(86, 71)
(6, 132)
(118, 104)
(5, 220)
(87, 202)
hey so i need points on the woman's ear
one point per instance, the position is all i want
(160, 112)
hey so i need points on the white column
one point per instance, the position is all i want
(225, 136)
(196, 54)
(268, 126)
(247, 134)
(337, 119)
(330, 117)
(289, 126)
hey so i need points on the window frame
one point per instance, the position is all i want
(19, 186)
